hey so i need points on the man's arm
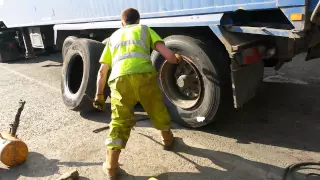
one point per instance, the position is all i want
(102, 78)
(167, 53)
(105, 60)
(158, 45)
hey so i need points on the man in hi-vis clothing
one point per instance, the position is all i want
(133, 79)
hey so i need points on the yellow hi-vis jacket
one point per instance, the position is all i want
(128, 50)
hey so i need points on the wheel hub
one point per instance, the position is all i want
(184, 88)
(188, 85)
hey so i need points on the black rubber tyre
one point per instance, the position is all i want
(79, 74)
(212, 63)
(66, 44)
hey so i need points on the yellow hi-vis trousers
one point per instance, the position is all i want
(126, 92)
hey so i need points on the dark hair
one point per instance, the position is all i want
(130, 16)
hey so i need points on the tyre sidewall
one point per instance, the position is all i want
(73, 100)
(66, 45)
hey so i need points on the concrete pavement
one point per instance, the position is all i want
(279, 127)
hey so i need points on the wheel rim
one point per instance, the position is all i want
(182, 83)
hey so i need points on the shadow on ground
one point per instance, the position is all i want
(282, 114)
(38, 166)
(98, 116)
(224, 166)
(52, 60)
(105, 116)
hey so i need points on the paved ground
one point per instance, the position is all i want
(279, 127)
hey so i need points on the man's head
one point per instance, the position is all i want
(130, 16)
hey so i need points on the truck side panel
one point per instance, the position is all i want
(35, 12)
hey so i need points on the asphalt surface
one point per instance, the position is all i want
(279, 127)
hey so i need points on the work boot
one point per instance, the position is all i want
(110, 167)
(168, 139)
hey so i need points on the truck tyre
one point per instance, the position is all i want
(67, 43)
(196, 90)
(79, 74)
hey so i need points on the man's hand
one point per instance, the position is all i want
(168, 54)
(99, 102)
(179, 58)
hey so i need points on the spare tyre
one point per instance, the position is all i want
(79, 74)
(196, 89)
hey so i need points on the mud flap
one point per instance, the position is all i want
(245, 82)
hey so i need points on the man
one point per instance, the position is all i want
(133, 79)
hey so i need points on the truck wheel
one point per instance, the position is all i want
(79, 74)
(197, 88)
(66, 44)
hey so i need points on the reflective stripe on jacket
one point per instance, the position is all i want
(128, 50)
(134, 40)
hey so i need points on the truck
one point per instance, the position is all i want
(225, 45)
